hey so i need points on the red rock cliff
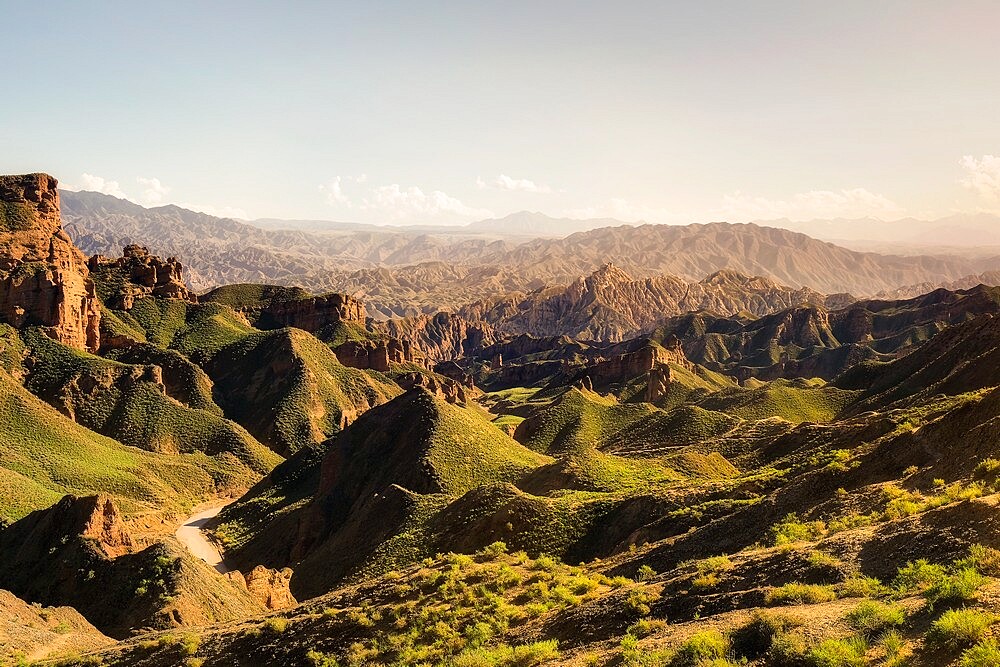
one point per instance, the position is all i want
(44, 280)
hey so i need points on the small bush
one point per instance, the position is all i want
(645, 573)
(317, 659)
(862, 587)
(987, 469)
(838, 653)
(715, 565)
(960, 627)
(796, 593)
(544, 563)
(755, 639)
(700, 648)
(704, 581)
(985, 559)
(871, 618)
(956, 588)
(527, 655)
(822, 560)
(790, 530)
(984, 654)
(277, 624)
(646, 627)
(189, 644)
(639, 599)
(893, 646)
(918, 575)
(494, 550)
(787, 650)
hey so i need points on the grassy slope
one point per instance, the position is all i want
(137, 413)
(44, 455)
(289, 389)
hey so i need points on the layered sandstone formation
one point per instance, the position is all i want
(442, 336)
(648, 358)
(376, 355)
(610, 305)
(143, 275)
(312, 314)
(44, 280)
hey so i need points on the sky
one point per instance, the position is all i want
(449, 112)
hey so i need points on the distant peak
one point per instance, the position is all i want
(609, 273)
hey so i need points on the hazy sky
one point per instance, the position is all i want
(447, 112)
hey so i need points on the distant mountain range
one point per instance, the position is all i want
(412, 271)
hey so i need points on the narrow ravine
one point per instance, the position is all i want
(192, 535)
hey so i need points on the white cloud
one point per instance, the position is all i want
(93, 183)
(413, 204)
(983, 178)
(217, 211)
(153, 191)
(334, 193)
(854, 203)
(504, 182)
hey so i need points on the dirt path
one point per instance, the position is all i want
(191, 535)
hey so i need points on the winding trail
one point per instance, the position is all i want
(191, 535)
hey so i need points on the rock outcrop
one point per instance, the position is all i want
(442, 336)
(657, 383)
(376, 355)
(648, 358)
(443, 387)
(268, 585)
(312, 314)
(44, 280)
(140, 275)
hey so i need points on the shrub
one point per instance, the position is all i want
(917, 575)
(645, 627)
(987, 469)
(984, 654)
(862, 587)
(838, 653)
(544, 563)
(755, 639)
(633, 656)
(790, 530)
(705, 581)
(985, 559)
(871, 618)
(787, 650)
(956, 588)
(715, 565)
(822, 560)
(796, 593)
(960, 627)
(645, 573)
(527, 655)
(494, 550)
(189, 644)
(892, 644)
(317, 659)
(700, 648)
(639, 599)
(277, 624)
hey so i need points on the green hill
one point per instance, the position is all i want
(44, 455)
(129, 403)
(289, 390)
